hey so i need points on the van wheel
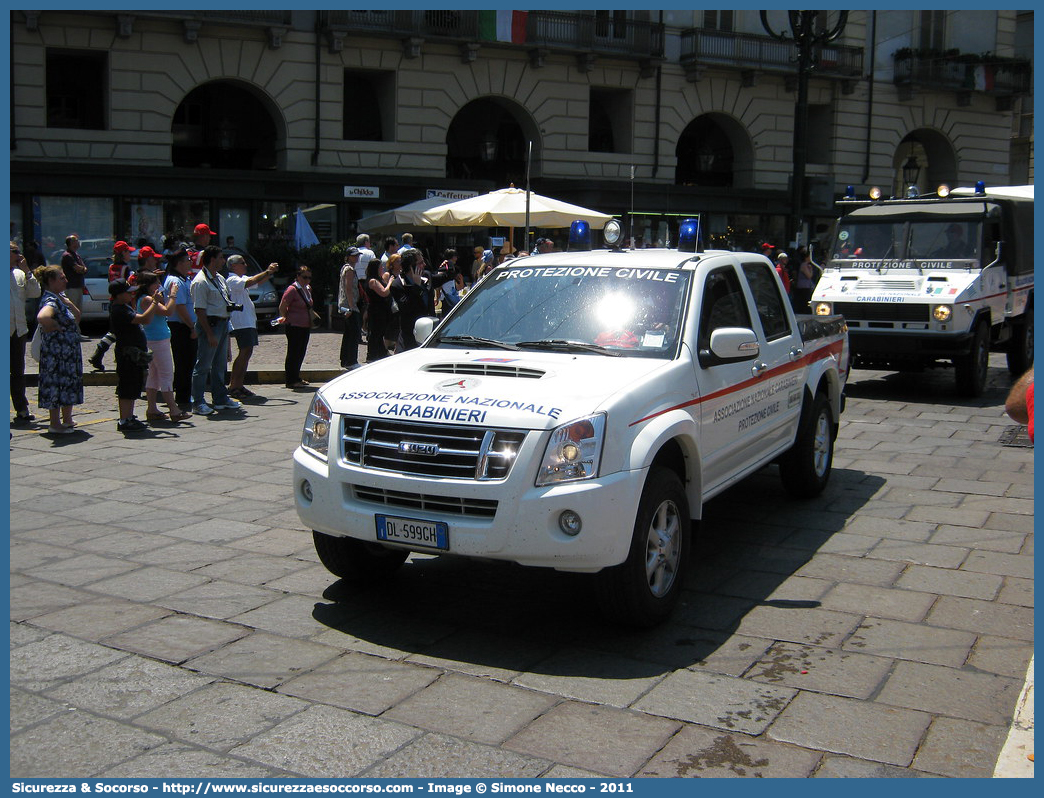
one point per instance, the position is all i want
(805, 467)
(643, 590)
(973, 367)
(359, 560)
(1020, 347)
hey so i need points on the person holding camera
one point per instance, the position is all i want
(243, 323)
(213, 306)
(132, 349)
(160, 378)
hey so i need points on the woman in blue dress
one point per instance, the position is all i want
(61, 361)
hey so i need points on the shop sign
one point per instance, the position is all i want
(450, 196)
(367, 192)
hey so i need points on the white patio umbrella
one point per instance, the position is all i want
(408, 215)
(506, 207)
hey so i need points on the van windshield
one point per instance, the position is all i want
(943, 239)
(619, 311)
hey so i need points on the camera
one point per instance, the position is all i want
(233, 307)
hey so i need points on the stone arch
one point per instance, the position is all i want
(228, 124)
(935, 156)
(487, 140)
(715, 150)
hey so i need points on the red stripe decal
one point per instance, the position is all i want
(819, 354)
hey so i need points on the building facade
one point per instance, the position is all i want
(140, 124)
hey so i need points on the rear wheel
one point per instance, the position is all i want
(643, 590)
(805, 467)
(360, 560)
(973, 367)
(1020, 347)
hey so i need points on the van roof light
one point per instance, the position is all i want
(579, 236)
(688, 235)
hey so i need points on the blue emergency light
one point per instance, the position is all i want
(688, 235)
(980, 188)
(579, 236)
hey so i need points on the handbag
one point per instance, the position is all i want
(36, 344)
(138, 356)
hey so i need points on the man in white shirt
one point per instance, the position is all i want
(23, 286)
(243, 323)
(213, 305)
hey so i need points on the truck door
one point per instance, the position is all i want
(781, 355)
(728, 439)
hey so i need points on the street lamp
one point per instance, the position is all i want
(911, 169)
(488, 147)
(803, 33)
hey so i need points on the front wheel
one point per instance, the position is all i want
(973, 367)
(643, 590)
(805, 467)
(360, 560)
(1020, 347)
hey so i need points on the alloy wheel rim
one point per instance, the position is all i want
(663, 549)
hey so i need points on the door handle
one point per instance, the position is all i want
(795, 353)
(758, 368)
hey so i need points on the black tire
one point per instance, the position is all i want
(358, 560)
(643, 590)
(971, 369)
(1020, 347)
(805, 467)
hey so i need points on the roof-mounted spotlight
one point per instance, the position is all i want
(579, 236)
(875, 193)
(688, 235)
(611, 232)
(943, 191)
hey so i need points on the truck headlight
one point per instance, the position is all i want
(942, 312)
(823, 308)
(316, 436)
(574, 451)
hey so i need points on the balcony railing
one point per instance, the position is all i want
(585, 32)
(281, 18)
(751, 51)
(953, 71)
(462, 25)
(575, 32)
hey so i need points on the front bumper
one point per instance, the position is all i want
(899, 345)
(523, 529)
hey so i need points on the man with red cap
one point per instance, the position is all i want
(201, 235)
(149, 260)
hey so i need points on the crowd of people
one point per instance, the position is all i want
(799, 276)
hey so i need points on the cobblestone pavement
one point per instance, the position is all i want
(169, 616)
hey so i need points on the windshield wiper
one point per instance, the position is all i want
(569, 346)
(472, 339)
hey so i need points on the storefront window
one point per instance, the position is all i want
(234, 223)
(278, 221)
(16, 221)
(91, 218)
(151, 221)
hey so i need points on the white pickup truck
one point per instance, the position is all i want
(575, 411)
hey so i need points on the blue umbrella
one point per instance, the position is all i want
(304, 236)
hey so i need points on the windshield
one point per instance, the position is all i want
(608, 310)
(906, 240)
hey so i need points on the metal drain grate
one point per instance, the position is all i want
(1016, 436)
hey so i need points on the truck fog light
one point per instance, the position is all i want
(570, 523)
(823, 308)
(942, 312)
(306, 489)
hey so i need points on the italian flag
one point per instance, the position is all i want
(503, 26)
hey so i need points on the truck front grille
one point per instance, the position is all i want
(424, 503)
(882, 311)
(429, 450)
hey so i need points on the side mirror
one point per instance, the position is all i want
(730, 345)
(424, 327)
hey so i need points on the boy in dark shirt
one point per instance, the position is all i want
(125, 326)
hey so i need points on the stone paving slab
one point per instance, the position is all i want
(880, 631)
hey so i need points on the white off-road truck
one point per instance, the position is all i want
(935, 280)
(575, 411)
